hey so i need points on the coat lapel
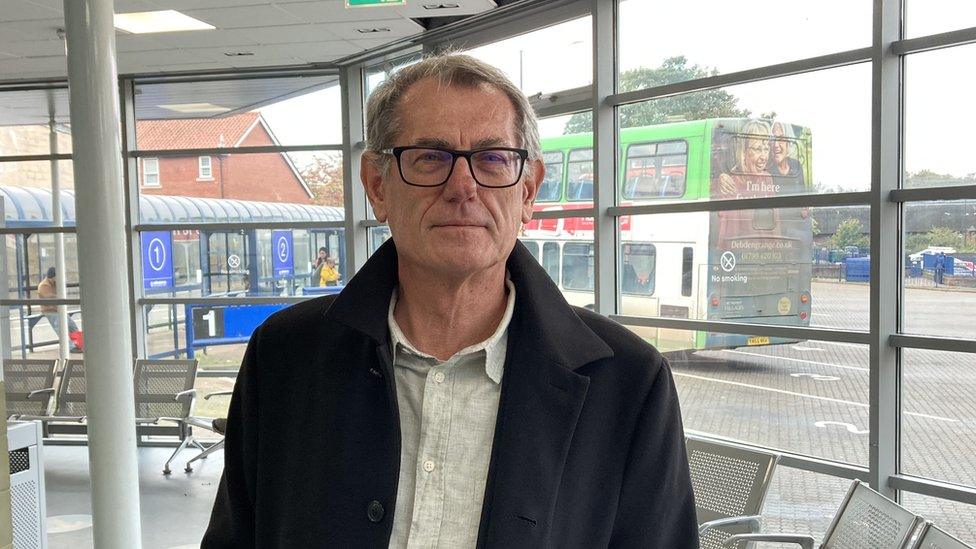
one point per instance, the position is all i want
(541, 401)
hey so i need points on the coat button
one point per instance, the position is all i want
(375, 511)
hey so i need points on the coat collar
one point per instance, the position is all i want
(556, 332)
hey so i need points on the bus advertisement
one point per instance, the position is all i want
(735, 265)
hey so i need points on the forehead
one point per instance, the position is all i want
(459, 115)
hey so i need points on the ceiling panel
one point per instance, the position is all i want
(22, 10)
(292, 31)
(398, 28)
(245, 16)
(290, 34)
(416, 8)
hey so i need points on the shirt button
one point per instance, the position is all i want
(439, 377)
(428, 466)
(375, 511)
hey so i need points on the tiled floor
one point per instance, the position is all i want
(175, 509)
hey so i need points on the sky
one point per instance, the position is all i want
(835, 104)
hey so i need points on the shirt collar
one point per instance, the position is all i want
(494, 347)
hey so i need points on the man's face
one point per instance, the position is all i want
(458, 228)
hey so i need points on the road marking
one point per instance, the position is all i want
(816, 377)
(802, 348)
(804, 395)
(849, 426)
(842, 366)
(844, 344)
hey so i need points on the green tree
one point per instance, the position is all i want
(944, 236)
(849, 233)
(928, 178)
(917, 242)
(324, 178)
(691, 106)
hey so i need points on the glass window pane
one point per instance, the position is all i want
(801, 134)
(247, 262)
(924, 17)
(27, 119)
(567, 255)
(292, 186)
(940, 269)
(784, 266)
(638, 270)
(294, 110)
(546, 60)
(26, 196)
(655, 50)
(30, 331)
(937, 112)
(808, 397)
(939, 415)
(801, 502)
(953, 517)
(374, 75)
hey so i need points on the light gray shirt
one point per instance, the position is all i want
(447, 423)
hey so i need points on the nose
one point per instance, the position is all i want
(461, 185)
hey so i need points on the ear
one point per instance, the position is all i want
(530, 187)
(372, 178)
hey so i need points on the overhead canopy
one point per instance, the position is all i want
(31, 207)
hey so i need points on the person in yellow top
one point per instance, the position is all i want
(48, 289)
(330, 274)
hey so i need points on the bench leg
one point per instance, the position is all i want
(203, 455)
(180, 448)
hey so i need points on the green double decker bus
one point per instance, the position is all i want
(749, 266)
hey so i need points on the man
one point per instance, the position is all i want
(48, 289)
(449, 396)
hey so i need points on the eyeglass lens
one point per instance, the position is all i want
(431, 167)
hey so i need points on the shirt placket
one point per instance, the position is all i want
(431, 455)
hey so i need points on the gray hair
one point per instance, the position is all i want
(451, 69)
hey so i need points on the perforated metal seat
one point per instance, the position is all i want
(865, 520)
(29, 386)
(164, 392)
(730, 484)
(932, 537)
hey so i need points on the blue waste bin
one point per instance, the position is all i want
(857, 269)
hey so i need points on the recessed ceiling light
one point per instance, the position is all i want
(158, 21)
(441, 6)
(195, 108)
(367, 31)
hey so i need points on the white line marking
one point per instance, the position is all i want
(844, 344)
(849, 426)
(803, 348)
(842, 366)
(804, 395)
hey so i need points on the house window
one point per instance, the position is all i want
(206, 169)
(150, 172)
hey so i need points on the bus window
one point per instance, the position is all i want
(687, 270)
(533, 248)
(550, 260)
(580, 175)
(551, 188)
(655, 170)
(637, 272)
(578, 266)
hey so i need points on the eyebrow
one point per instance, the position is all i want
(479, 144)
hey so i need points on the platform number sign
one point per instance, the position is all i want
(157, 260)
(282, 252)
(208, 323)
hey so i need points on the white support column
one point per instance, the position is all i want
(102, 241)
(886, 266)
(604, 154)
(353, 144)
(57, 217)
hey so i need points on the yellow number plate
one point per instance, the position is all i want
(760, 340)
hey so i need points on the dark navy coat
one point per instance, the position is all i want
(588, 448)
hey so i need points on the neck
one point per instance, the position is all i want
(442, 316)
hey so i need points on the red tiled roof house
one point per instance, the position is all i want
(268, 177)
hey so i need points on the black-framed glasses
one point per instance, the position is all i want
(494, 167)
